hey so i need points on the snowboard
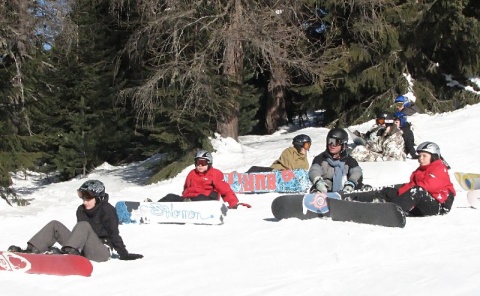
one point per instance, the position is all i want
(314, 206)
(197, 212)
(285, 181)
(357, 141)
(45, 264)
(468, 181)
(473, 198)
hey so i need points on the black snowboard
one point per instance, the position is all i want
(384, 214)
(291, 206)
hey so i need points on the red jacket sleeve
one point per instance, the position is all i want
(224, 189)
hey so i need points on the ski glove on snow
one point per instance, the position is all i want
(348, 187)
(131, 256)
(320, 185)
(240, 204)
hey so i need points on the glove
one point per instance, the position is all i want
(348, 187)
(235, 206)
(130, 256)
(320, 185)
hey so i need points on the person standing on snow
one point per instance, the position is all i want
(292, 158)
(204, 183)
(334, 170)
(400, 121)
(404, 105)
(429, 191)
(95, 234)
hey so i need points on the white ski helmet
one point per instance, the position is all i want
(429, 147)
(204, 154)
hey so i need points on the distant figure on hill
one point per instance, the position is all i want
(384, 141)
(400, 121)
(405, 105)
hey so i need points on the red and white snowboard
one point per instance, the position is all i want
(45, 264)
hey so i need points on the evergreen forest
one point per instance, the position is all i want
(83, 82)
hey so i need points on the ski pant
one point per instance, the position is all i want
(416, 201)
(258, 169)
(82, 237)
(177, 198)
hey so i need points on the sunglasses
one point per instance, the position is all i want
(334, 142)
(399, 105)
(307, 145)
(85, 195)
(201, 162)
(380, 120)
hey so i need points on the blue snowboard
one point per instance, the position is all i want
(286, 181)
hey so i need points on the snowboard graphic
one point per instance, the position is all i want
(468, 181)
(314, 206)
(275, 181)
(197, 212)
(45, 264)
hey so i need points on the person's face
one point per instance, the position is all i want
(397, 122)
(424, 158)
(334, 146)
(305, 147)
(89, 201)
(201, 165)
(399, 106)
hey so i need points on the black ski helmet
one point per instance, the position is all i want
(299, 140)
(340, 134)
(387, 117)
(94, 188)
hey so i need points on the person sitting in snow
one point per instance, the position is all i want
(334, 170)
(95, 234)
(400, 121)
(429, 191)
(384, 141)
(205, 182)
(292, 158)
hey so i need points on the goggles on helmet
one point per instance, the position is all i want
(201, 162)
(85, 195)
(334, 142)
(399, 104)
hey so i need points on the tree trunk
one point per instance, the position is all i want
(227, 125)
(276, 113)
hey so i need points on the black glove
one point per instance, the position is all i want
(130, 256)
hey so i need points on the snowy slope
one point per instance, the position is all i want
(251, 254)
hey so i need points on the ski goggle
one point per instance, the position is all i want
(307, 145)
(334, 142)
(85, 195)
(380, 120)
(399, 104)
(201, 162)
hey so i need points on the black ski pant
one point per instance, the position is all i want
(416, 201)
(82, 237)
(177, 198)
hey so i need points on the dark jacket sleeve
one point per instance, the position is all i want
(409, 140)
(110, 223)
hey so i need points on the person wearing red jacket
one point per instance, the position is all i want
(429, 191)
(205, 182)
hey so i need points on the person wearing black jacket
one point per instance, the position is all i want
(401, 121)
(95, 234)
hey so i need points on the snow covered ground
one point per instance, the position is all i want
(252, 254)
